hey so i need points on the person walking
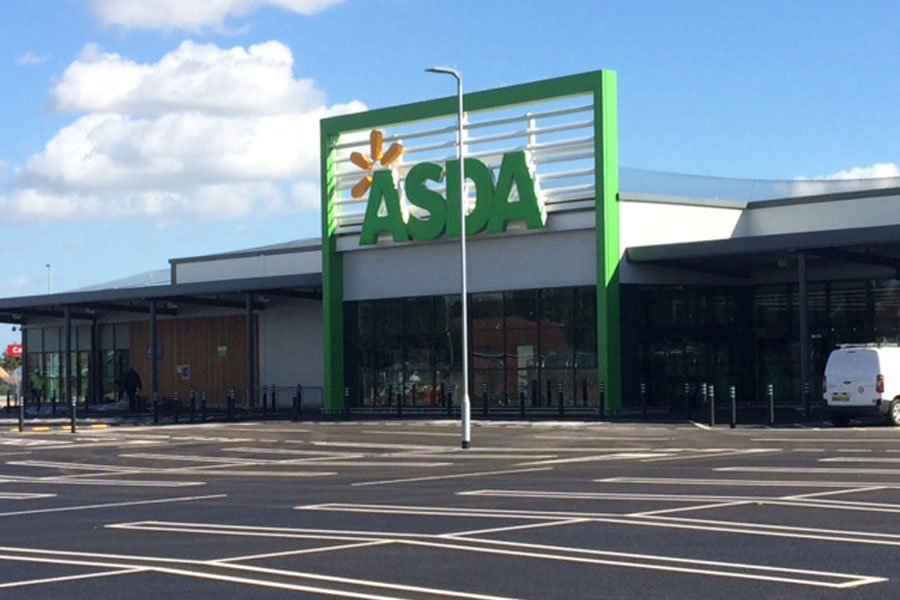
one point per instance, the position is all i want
(132, 387)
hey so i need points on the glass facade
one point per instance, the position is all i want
(532, 350)
(678, 340)
(104, 367)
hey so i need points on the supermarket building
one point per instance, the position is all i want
(588, 297)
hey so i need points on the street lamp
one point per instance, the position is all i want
(466, 405)
(49, 278)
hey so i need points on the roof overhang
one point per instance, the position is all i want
(228, 293)
(742, 256)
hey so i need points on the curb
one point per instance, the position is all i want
(46, 428)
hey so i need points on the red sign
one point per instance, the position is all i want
(14, 350)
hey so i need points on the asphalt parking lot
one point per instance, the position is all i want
(376, 510)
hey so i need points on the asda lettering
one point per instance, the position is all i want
(440, 215)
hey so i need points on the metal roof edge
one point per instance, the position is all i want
(683, 200)
(161, 292)
(832, 197)
(778, 242)
(315, 244)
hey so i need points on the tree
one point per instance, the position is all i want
(10, 363)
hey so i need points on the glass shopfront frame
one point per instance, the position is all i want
(532, 352)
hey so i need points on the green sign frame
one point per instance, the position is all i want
(602, 85)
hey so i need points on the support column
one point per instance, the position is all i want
(67, 315)
(251, 371)
(25, 386)
(802, 301)
(154, 375)
(95, 360)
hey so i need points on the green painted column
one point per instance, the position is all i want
(606, 173)
(332, 285)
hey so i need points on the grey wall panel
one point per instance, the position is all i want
(35, 339)
(495, 263)
(249, 266)
(82, 339)
(819, 216)
(290, 345)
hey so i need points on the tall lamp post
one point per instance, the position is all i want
(466, 405)
(49, 278)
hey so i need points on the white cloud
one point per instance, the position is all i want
(200, 77)
(30, 59)
(17, 283)
(879, 175)
(148, 148)
(877, 170)
(193, 15)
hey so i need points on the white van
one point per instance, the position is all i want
(862, 380)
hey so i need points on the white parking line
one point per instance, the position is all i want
(13, 584)
(825, 440)
(454, 476)
(666, 511)
(860, 459)
(812, 470)
(737, 482)
(303, 551)
(595, 458)
(854, 490)
(110, 505)
(599, 438)
(402, 433)
(23, 496)
(614, 496)
(457, 542)
(666, 522)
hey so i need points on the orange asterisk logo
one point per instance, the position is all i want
(376, 142)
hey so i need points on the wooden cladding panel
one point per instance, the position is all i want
(195, 342)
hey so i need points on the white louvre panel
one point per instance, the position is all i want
(557, 136)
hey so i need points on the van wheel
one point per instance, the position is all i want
(841, 420)
(894, 414)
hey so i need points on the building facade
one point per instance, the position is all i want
(589, 296)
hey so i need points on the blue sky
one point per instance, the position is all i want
(135, 131)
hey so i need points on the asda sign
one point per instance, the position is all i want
(435, 215)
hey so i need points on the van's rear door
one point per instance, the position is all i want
(851, 377)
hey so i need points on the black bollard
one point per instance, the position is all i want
(265, 401)
(711, 390)
(230, 399)
(347, 403)
(176, 406)
(193, 400)
(601, 405)
(155, 397)
(22, 415)
(484, 399)
(732, 392)
(770, 392)
(644, 400)
(203, 406)
(559, 390)
(522, 400)
(298, 402)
